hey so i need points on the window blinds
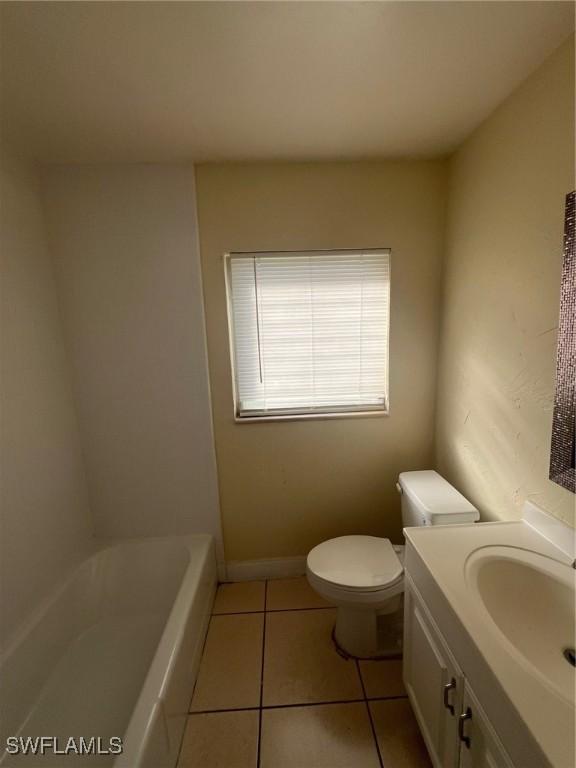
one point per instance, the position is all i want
(309, 331)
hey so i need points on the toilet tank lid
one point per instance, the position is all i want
(434, 495)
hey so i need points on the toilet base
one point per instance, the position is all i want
(368, 634)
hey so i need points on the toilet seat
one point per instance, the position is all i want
(356, 563)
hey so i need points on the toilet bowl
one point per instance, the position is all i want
(363, 575)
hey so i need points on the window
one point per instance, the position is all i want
(309, 332)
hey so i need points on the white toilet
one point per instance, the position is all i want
(363, 575)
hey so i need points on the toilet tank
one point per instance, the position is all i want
(429, 499)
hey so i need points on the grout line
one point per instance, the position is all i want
(369, 715)
(274, 610)
(312, 704)
(312, 608)
(364, 696)
(262, 675)
(297, 704)
(223, 711)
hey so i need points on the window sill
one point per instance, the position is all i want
(310, 416)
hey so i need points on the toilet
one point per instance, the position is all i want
(363, 576)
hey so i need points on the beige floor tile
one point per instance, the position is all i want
(229, 676)
(288, 594)
(382, 678)
(301, 664)
(240, 598)
(326, 736)
(223, 740)
(401, 744)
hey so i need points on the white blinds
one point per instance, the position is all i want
(309, 331)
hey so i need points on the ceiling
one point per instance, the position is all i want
(203, 81)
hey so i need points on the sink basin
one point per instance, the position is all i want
(529, 602)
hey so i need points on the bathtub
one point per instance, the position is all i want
(113, 654)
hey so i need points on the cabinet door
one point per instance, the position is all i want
(480, 747)
(433, 682)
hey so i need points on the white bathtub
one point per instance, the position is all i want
(113, 653)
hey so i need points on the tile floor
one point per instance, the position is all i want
(272, 691)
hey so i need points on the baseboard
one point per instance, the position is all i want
(274, 568)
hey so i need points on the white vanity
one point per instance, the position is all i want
(489, 621)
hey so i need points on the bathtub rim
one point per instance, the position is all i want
(151, 698)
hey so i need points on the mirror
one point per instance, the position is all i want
(563, 446)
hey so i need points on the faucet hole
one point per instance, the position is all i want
(570, 656)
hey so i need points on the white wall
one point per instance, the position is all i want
(45, 521)
(501, 298)
(125, 245)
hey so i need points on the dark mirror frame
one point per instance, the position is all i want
(563, 445)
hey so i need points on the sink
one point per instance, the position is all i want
(528, 600)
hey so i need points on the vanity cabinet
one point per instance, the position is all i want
(480, 746)
(454, 725)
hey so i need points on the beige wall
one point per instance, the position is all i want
(45, 525)
(124, 239)
(285, 486)
(501, 298)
